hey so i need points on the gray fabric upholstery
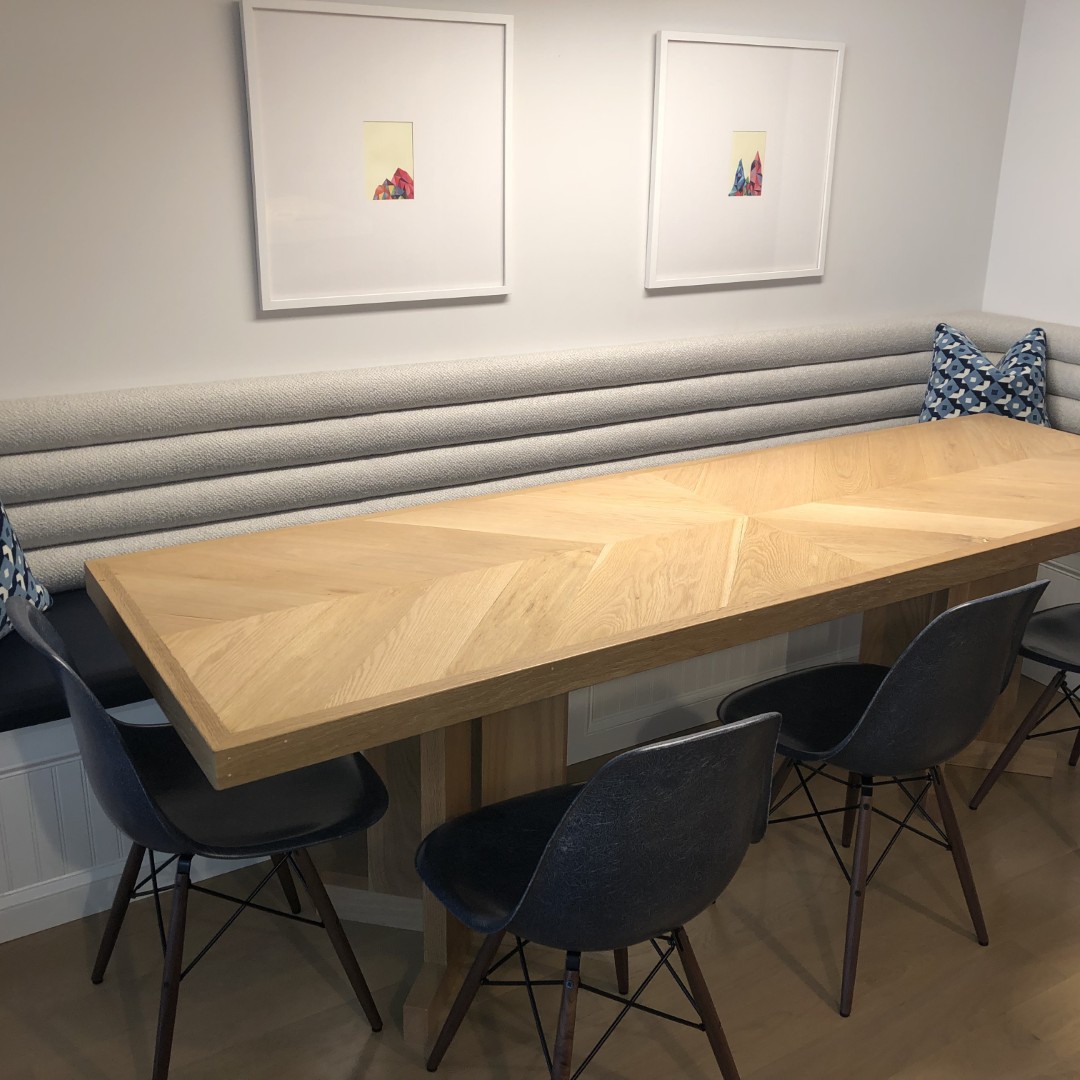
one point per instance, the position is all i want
(156, 411)
(96, 474)
(58, 473)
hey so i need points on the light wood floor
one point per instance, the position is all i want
(930, 1004)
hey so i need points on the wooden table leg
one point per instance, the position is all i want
(446, 790)
(392, 842)
(524, 749)
(888, 630)
(521, 750)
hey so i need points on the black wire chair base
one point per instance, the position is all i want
(242, 903)
(903, 825)
(1068, 694)
(628, 1002)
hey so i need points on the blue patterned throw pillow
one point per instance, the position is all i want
(964, 381)
(15, 576)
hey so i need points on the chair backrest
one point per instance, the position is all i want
(105, 758)
(940, 692)
(652, 839)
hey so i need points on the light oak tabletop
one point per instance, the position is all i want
(275, 649)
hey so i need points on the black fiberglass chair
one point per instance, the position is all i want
(894, 726)
(632, 856)
(153, 791)
(1052, 638)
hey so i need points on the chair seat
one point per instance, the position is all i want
(1052, 637)
(32, 694)
(294, 810)
(819, 707)
(480, 864)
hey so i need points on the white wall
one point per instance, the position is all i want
(1034, 269)
(125, 217)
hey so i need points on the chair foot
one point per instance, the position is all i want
(563, 1051)
(480, 965)
(706, 1009)
(959, 854)
(125, 887)
(288, 886)
(347, 958)
(174, 963)
(1027, 726)
(857, 895)
(622, 970)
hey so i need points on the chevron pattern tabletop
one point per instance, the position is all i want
(271, 650)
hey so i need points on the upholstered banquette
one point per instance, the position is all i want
(101, 473)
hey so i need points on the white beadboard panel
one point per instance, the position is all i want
(624, 712)
(6, 883)
(107, 842)
(47, 831)
(74, 815)
(17, 829)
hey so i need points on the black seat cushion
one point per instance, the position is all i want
(292, 810)
(1053, 637)
(480, 864)
(819, 706)
(29, 691)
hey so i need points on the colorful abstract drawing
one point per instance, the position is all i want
(743, 144)
(388, 160)
(400, 187)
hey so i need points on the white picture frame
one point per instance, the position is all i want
(324, 79)
(715, 94)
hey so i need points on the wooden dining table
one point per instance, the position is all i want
(465, 623)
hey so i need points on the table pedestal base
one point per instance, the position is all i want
(428, 1002)
(474, 763)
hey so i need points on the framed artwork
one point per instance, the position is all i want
(380, 139)
(742, 154)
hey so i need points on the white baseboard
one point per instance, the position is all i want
(73, 896)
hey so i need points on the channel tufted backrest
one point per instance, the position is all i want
(96, 474)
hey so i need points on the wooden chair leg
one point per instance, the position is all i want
(563, 1051)
(703, 999)
(780, 778)
(1074, 754)
(1027, 726)
(622, 970)
(288, 886)
(174, 965)
(851, 804)
(959, 854)
(124, 889)
(317, 891)
(480, 966)
(859, 868)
